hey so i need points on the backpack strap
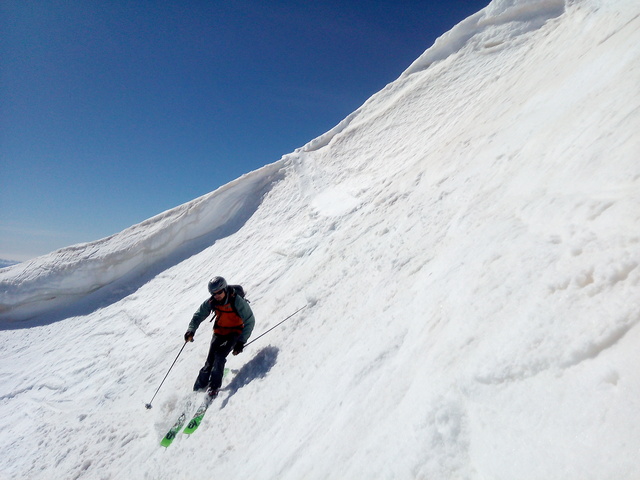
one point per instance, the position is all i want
(232, 299)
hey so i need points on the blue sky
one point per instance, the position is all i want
(114, 111)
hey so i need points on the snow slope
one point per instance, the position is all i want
(466, 245)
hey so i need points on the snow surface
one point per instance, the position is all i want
(466, 246)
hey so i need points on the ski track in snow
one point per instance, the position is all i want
(467, 245)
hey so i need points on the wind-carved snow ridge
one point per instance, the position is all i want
(63, 277)
(492, 26)
(324, 139)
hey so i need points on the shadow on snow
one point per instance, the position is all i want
(256, 368)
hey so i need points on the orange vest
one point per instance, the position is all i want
(228, 322)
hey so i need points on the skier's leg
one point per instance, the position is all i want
(205, 372)
(219, 359)
(202, 380)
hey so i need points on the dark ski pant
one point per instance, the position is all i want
(211, 374)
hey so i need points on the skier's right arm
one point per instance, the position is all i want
(200, 316)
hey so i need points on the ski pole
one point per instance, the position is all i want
(262, 335)
(148, 405)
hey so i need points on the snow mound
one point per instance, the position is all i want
(499, 22)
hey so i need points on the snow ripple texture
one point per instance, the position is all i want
(467, 245)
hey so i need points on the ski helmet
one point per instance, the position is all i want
(216, 284)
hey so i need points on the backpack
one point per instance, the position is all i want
(237, 290)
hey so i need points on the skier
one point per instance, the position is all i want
(234, 322)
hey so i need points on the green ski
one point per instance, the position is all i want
(198, 416)
(195, 422)
(182, 419)
(171, 434)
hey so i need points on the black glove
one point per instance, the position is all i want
(238, 348)
(188, 337)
